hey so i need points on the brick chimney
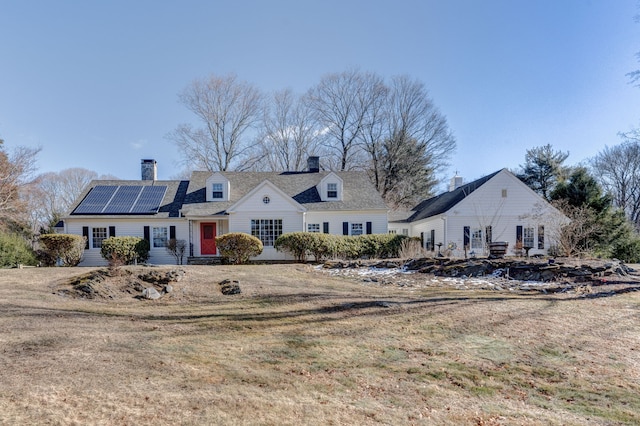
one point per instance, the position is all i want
(149, 170)
(313, 164)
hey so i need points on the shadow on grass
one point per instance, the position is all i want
(269, 307)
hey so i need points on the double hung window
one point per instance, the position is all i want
(97, 236)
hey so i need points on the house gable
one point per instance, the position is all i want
(218, 188)
(331, 188)
(266, 197)
(503, 194)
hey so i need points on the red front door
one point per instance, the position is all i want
(208, 238)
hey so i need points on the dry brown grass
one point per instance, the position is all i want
(299, 347)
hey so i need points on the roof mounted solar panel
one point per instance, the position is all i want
(96, 200)
(149, 200)
(123, 200)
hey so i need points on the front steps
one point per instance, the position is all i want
(192, 260)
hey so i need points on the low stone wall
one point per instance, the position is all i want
(517, 269)
(510, 268)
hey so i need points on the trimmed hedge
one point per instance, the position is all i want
(126, 250)
(323, 246)
(69, 248)
(238, 247)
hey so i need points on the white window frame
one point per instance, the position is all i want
(266, 230)
(159, 236)
(357, 228)
(528, 237)
(313, 227)
(217, 189)
(477, 243)
(98, 234)
(332, 190)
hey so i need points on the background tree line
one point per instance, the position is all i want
(353, 120)
(598, 197)
(30, 203)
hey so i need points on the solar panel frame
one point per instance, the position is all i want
(123, 200)
(96, 200)
(149, 200)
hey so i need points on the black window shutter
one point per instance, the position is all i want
(369, 227)
(422, 239)
(325, 227)
(146, 234)
(541, 237)
(345, 228)
(433, 240)
(467, 236)
(112, 231)
(488, 234)
(85, 234)
(519, 234)
(172, 232)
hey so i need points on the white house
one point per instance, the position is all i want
(464, 220)
(263, 204)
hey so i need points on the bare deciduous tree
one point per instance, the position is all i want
(227, 108)
(417, 145)
(343, 104)
(618, 171)
(289, 133)
(52, 194)
(17, 170)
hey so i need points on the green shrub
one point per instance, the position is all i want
(125, 250)
(295, 243)
(302, 244)
(14, 250)
(238, 247)
(627, 250)
(68, 248)
(322, 246)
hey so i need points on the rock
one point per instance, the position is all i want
(168, 288)
(228, 287)
(151, 293)
(159, 278)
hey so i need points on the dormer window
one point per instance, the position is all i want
(217, 191)
(332, 190)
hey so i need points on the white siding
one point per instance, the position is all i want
(378, 220)
(291, 222)
(279, 207)
(128, 227)
(503, 203)
(437, 224)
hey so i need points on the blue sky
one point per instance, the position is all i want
(95, 83)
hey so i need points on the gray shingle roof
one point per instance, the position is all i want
(189, 197)
(358, 192)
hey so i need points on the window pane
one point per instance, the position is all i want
(332, 190)
(476, 239)
(356, 229)
(541, 237)
(266, 230)
(98, 234)
(313, 227)
(217, 190)
(159, 237)
(527, 240)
